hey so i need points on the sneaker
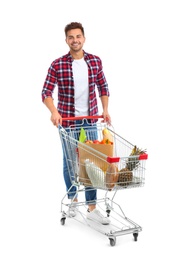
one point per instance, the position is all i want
(72, 211)
(98, 217)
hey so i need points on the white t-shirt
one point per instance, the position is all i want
(80, 74)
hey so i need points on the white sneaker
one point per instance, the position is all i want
(72, 211)
(98, 217)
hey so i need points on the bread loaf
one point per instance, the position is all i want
(112, 176)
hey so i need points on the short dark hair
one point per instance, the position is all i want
(73, 25)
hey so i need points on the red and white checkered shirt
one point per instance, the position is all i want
(60, 74)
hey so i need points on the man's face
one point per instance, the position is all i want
(75, 39)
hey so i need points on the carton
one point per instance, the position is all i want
(96, 153)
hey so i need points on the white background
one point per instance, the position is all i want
(139, 44)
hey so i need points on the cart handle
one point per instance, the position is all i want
(81, 118)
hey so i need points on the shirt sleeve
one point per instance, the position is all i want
(50, 83)
(102, 84)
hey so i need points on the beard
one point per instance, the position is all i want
(76, 48)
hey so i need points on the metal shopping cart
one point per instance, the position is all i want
(108, 167)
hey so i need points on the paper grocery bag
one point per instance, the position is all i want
(96, 153)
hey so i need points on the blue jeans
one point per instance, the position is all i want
(68, 172)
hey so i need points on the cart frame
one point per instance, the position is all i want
(120, 223)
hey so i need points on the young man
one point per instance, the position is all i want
(77, 74)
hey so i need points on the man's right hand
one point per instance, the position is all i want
(56, 118)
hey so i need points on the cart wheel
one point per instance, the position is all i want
(62, 220)
(112, 241)
(108, 211)
(135, 236)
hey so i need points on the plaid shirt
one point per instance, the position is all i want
(60, 74)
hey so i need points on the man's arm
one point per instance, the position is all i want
(105, 101)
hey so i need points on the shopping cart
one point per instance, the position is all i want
(107, 167)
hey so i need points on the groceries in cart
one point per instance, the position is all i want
(132, 164)
(100, 166)
(96, 175)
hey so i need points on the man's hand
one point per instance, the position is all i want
(56, 118)
(106, 117)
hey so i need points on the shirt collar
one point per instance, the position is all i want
(69, 56)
